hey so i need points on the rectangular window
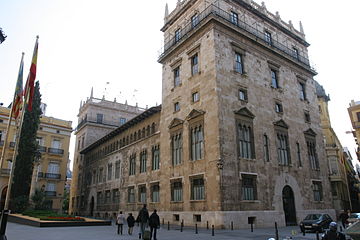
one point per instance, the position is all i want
(117, 170)
(238, 63)
(194, 64)
(302, 91)
(197, 143)
(177, 35)
(243, 95)
(131, 194)
(176, 149)
(99, 198)
(109, 174)
(116, 195)
(317, 190)
(155, 158)
(99, 118)
(142, 194)
(107, 196)
(234, 18)
(266, 148)
(298, 153)
(248, 187)
(176, 192)
(197, 189)
(56, 143)
(283, 149)
(53, 168)
(278, 108)
(295, 52)
(122, 121)
(358, 116)
(101, 171)
(307, 117)
(177, 77)
(155, 193)
(39, 140)
(311, 147)
(143, 156)
(274, 79)
(176, 107)
(245, 141)
(51, 187)
(334, 191)
(132, 164)
(194, 20)
(268, 37)
(195, 97)
(94, 177)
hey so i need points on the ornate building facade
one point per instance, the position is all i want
(238, 136)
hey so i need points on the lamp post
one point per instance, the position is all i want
(2, 36)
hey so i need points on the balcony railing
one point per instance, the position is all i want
(5, 171)
(240, 24)
(56, 151)
(50, 193)
(94, 120)
(53, 175)
(42, 149)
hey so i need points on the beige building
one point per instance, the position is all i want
(334, 154)
(238, 136)
(354, 113)
(49, 172)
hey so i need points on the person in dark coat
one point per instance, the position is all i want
(131, 223)
(333, 233)
(154, 223)
(143, 219)
(343, 218)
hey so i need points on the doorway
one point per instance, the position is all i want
(92, 207)
(289, 206)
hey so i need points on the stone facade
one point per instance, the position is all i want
(239, 128)
(49, 173)
(354, 114)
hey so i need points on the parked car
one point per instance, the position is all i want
(354, 217)
(315, 222)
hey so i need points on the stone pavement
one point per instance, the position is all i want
(23, 232)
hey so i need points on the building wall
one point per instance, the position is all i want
(354, 114)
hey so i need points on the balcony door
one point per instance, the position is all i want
(289, 206)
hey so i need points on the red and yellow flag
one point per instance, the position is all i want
(29, 87)
(18, 96)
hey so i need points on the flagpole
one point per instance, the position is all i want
(9, 124)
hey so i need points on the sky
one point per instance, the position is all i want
(113, 46)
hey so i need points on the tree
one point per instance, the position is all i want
(27, 151)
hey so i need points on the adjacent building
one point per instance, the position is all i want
(238, 137)
(49, 173)
(354, 113)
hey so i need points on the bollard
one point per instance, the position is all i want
(196, 230)
(212, 230)
(168, 225)
(317, 235)
(252, 227)
(232, 225)
(207, 224)
(276, 232)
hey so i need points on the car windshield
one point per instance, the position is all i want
(313, 216)
(354, 215)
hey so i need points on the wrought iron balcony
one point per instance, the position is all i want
(96, 121)
(50, 193)
(56, 151)
(218, 13)
(5, 171)
(42, 149)
(53, 175)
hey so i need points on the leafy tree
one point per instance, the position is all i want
(27, 151)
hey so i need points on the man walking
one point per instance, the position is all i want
(143, 219)
(131, 222)
(154, 223)
(120, 222)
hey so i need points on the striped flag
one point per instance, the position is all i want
(18, 96)
(29, 87)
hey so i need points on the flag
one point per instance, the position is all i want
(29, 87)
(18, 96)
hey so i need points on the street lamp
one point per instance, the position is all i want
(2, 36)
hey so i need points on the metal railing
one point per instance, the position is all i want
(56, 151)
(242, 25)
(42, 149)
(94, 120)
(50, 193)
(5, 171)
(53, 175)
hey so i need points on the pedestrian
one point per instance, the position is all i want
(154, 223)
(143, 219)
(131, 222)
(120, 219)
(343, 218)
(333, 233)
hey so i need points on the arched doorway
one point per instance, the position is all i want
(3, 197)
(289, 206)
(92, 207)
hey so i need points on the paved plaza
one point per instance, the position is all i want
(23, 232)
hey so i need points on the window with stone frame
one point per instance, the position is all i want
(94, 177)
(177, 80)
(155, 193)
(176, 106)
(115, 195)
(295, 52)
(274, 78)
(282, 143)
(132, 164)
(311, 151)
(100, 179)
(177, 35)
(278, 107)
(302, 90)
(109, 174)
(131, 194)
(268, 37)
(195, 97)
(142, 193)
(243, 96)
(176, 191)
(298, 154)
(317, 191)
(117, 169)
(155, 162)
(107, 196)
(234, 18)
(194, 20)
(238, 63)
(266, 148)
(197, 141)
(248, 187)
(143, 161)
(99, 198)
(197, 188)
(245, 134)
(176, 148)
(195, 64)
(307, 117)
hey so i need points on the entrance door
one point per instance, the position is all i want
(3, 197)
(289, 206)
(92, 207)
